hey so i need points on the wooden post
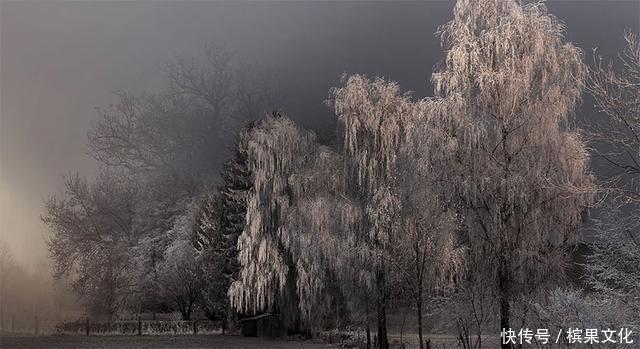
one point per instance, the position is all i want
(86, 326)
(139, 326)
(195, 327)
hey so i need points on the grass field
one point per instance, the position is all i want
(152, 342)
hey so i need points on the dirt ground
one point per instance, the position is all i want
(152, 342)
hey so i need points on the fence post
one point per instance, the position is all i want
(195, 327)
(139, 326)
(86, 325)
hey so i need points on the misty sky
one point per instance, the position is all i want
(61, 60)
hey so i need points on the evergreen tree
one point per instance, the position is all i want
(221, 221)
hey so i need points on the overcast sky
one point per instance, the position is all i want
(61, 60)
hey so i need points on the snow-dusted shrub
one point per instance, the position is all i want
(563, 309)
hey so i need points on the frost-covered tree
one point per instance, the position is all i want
(303, 214)
(428, 252)
(276, 148)
(180, 274)
(517, 166)
(613, 266)
(374, 117)
(563, 308)
(158, 210)
(323, 221)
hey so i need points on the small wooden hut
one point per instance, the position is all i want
(262, 325)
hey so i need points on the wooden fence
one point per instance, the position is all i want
(139, 327)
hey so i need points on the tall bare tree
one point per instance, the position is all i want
(93, 240)
(613, 268)
(617, 96)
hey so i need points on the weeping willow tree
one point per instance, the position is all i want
(276, 148)
(374, 117)
(520, 171)
(323, 220)
(296, 246)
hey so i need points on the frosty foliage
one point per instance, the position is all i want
(514, 162)
(613, 267)
(180, 276)
(276, 148)
(571, 308)
(428, 258)
(406, 226)
(323, 221)
(373, 117)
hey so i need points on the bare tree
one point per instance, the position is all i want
(617, 96)
(613, 266)
(184, 132)
(93, 238)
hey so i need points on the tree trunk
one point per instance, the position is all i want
(383, 342)
(419, 305)
(366, 302)
(504, 318)
(503, 291)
